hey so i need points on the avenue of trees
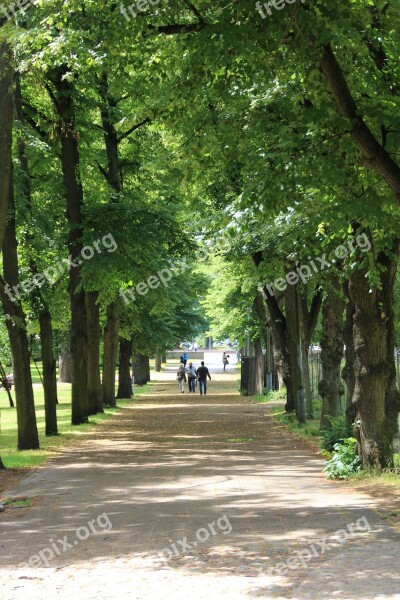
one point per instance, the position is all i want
(163, 133)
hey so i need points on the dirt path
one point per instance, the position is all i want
(182, 496)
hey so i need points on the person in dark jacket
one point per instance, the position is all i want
(202, 374)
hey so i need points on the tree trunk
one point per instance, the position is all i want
(257, 371)
(276, 322)
(65, 367)
(124, 378)
(49, 373)
(141, 367)
(28, 438)
(348, 372)
(110, 355)
(292, 342)
(3, 376)
(375, 394)
(95, 404)
(309, 320)
(6, 122)
(74, 194)
(37, 300)
(330, 386)
(157, 363)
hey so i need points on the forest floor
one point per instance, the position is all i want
(186, 496)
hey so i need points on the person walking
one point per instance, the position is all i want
(181, 377)
(225, 360)
(202, 374)
(191, 375)
(184, 358)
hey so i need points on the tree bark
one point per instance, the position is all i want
(348, 371)
(157, 363)
(330, 386)
(141, 368)
(277, 323)
(49, 373)
(38, 302)
(6, 121)
(292, 342)
(375, 156)
(95, 404)
(28, 438)
(375, 394)
(65, 367)
(124, 379)
(373, 319)
(291, 334)
(110, 355)
(256, 379)
(70, 162)
(3, 376)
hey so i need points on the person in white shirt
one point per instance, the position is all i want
(191, 374)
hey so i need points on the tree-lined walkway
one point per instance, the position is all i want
(172, 470)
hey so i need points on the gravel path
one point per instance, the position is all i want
(182, 496)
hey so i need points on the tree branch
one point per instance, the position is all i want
(175, 28)
(132, 129)
(277, 316)
(102, 170)
(375, 156)
(194, 11)
(28, 108)
(313, 314)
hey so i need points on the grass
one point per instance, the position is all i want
(13, 458)
(310, 431)
(18, 502)
(272, 396)
(307, 431)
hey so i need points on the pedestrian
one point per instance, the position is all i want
(181, 377)
(225, 360)
(184, 358)
(238, 355)
(195, 347)
(202, 374)
(191, 375)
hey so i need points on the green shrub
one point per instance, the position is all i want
(277, 395)
(344, 461)
(335, 434)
